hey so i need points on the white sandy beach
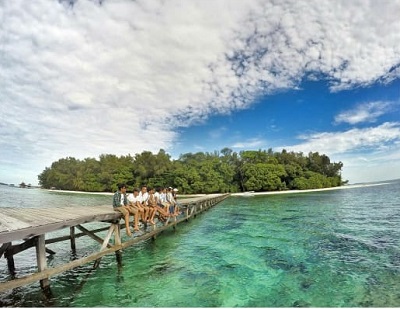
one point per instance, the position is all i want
(310, 190)
(81, 192)
(251, 193)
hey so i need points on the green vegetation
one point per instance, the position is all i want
(224, 171)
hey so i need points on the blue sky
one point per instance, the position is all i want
(280, 121)
(84, 78)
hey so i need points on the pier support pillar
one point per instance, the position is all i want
(41, 259)
(72, 238)
(174, 226)
(187, 213)
(117, 242)
(7, 247)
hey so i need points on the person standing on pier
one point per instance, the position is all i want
(171, 201)
(120, 204)
(175, 197)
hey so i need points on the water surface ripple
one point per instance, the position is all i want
(323, 249)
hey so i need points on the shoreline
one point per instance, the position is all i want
(79, 192)
(248, 193)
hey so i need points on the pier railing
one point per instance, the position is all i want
(32, 225)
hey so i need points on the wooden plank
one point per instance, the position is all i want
(90, 234)
(71, 216)
(108, 236)
(25, 216)
(42, 229)
(60, 214)
(77, 235)
(42, 218)
(53, 271)
(15, 249)
(106, 241)
(8, 223)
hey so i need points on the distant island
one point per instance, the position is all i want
(21, 185)
(222, 171)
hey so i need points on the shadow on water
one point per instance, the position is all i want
(276, 259)
(351, 246)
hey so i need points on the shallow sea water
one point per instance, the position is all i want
(336, 248)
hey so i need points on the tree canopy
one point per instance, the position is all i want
(201, 172)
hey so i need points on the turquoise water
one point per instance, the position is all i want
(324, 249)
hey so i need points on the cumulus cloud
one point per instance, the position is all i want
(81, 78)
(377, 139)
(368, 154)
(250, 144)
(367, 112)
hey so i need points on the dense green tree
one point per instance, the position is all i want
(224, 171)
(264, 177)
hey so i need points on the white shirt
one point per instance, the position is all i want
(157, 197)
(163, 197)
(170, 198)
(122, 199)
(144, 197)
(133, 199)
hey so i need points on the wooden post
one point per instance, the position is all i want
(41, 259)
(11, 265)
(192, 211)
(72, 238)
(10, 258)
(117, 242)
(154, 227)
(174, 226)
(187, 213)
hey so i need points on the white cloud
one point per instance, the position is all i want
(217, 133)
(250, 144)
(354, 140)
(367, 112)
(120, 77)
(369, 154)
(370, 167)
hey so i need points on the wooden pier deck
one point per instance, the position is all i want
(23, 228)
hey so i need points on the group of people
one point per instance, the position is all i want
(145, 204)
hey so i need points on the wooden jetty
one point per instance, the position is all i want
(29, 226)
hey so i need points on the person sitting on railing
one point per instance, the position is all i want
(120, 204)
(162, 212)
(152, 204)
(144, 196)
(137, 208)
(163, 199)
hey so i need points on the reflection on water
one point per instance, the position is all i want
(323, 249)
